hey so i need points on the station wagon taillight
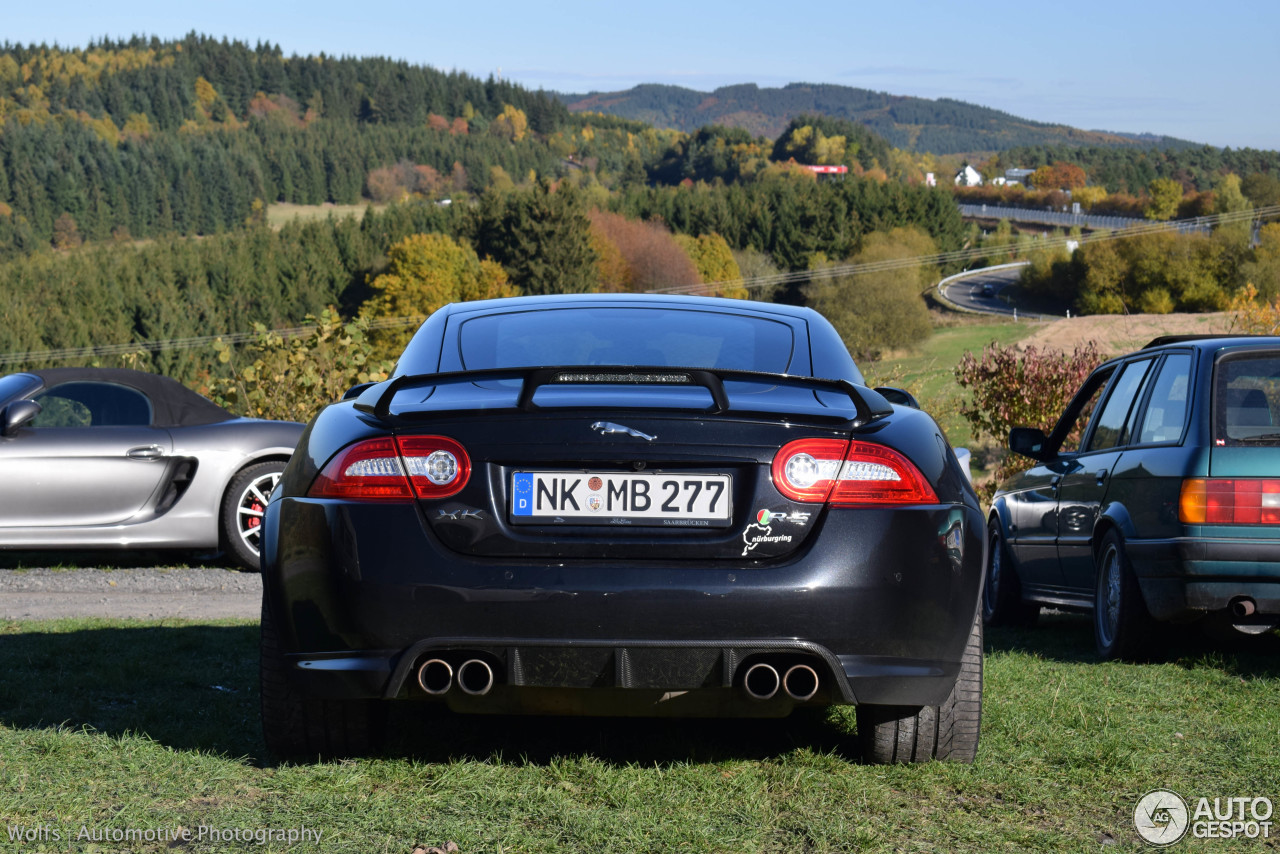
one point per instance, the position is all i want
(1230, 501)
(848, 473)
(398, 469)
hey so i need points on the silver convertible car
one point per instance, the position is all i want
(113, 458)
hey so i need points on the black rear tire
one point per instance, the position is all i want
(242, 508)
(1122, 627)
(308, 728)
(901, 734)
(1002, 603)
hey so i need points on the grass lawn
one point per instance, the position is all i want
(929, 372)
(117, 725)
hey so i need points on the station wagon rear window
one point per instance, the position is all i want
(1246, 399)
(626, 336)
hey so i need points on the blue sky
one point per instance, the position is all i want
(1208, 72)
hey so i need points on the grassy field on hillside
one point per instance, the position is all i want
(117, 725)
(282, 212)
(929, 373)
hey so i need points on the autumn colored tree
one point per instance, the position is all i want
(652, 257)
(425, 272)
(612, 270)
(1166, 195)
(384, 185)
(66, 234)
(1088, 196)
(511, 125)
(1058, 176)
(714, 261)
(810, 145)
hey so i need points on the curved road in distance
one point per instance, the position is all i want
(980, 291)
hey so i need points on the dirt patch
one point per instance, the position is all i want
(146, 594)
(1122, 333)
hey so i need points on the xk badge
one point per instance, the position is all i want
(462, 514)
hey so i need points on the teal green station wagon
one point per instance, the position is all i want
(1156, 497)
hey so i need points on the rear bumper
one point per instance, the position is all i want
(879, 603)
(1189, 577)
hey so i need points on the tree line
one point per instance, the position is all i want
(547, 238)
(1131, 170)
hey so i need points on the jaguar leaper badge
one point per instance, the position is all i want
(607, 427)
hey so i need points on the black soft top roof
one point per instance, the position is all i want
(173, 404)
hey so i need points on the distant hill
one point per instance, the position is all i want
(944, 126)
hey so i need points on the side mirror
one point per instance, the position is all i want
(356, 390)
(898, 396)
(1027, 441)
(16, 414)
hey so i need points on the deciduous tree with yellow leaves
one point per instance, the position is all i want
(425, 272)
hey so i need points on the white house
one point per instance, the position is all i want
(968, 177)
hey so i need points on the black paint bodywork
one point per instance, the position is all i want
(644, 621)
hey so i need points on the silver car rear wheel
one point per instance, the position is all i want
(243, 510)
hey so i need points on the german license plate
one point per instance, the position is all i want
(621, 498)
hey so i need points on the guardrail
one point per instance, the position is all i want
(1084, 220)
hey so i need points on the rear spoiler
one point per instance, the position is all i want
(376, 400)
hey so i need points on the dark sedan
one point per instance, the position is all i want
(1156, 497)
(624, 505)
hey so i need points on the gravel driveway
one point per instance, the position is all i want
(197, 594)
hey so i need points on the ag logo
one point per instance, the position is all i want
(1161, 817)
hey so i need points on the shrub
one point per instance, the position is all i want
(1020, 388)
(294, 378)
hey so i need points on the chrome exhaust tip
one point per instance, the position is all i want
(475, 677)
(801, 682)
(761, 681)
(435, 676)
(1243, 606)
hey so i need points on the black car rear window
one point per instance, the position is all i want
(1246, 399)
(658, 337)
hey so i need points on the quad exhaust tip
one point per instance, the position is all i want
(435, 676)
(801, 682)
(475, 677)
(761, 681)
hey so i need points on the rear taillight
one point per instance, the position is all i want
(395, 470)
(846, 474)
(438, 467)
(1230, 501)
